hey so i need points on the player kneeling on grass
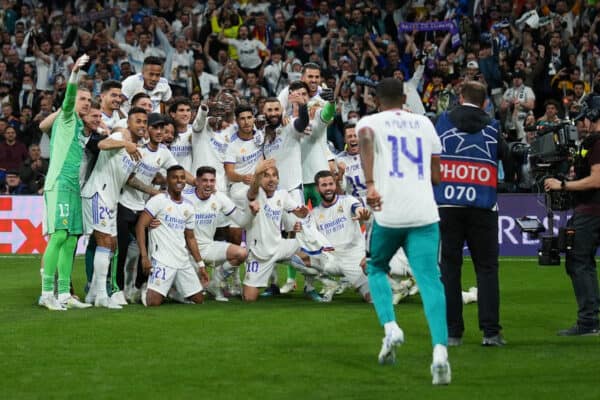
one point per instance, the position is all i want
(338, 219)
(170, 242)
(265, 244)
(209, 206)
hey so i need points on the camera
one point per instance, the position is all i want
(550, 154)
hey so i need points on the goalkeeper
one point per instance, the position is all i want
(62, 196)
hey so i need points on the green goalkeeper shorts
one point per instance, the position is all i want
(62, 210)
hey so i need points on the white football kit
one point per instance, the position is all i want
(208, 213)
(209, 147)
(286, 151)
(151, 163)
(244, 155)
(354, 176)
(167, 246)
(315, 152)
(336, 223)
(134, 84)
(403, 146)
(181, 148)
(263, 237)
(102, 191)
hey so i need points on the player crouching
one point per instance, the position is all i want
(168, 262)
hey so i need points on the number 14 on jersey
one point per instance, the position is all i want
(400, 148)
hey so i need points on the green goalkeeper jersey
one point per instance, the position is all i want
(66, 150)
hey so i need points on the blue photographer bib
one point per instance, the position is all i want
(469, 167)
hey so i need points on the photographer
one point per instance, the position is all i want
(468, 210)
(580, 261)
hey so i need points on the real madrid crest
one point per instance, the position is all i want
(340, 209)
(214, 206)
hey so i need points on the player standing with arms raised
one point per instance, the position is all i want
(400, 155)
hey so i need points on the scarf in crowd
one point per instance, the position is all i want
(448, 25)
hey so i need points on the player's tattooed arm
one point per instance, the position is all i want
(141, 186)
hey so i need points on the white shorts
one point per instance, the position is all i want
(97, 216)
(213, 252)
(162, 278)
(258, 271)
(345, 263)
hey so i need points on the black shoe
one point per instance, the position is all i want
(579, 330)
(454, 341)
(493, 341)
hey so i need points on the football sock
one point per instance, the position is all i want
(101, 264)
(113, 272)
(65, 264)
(90, 250)
(291, 273)
(51, 255)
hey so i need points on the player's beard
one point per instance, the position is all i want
(329, 197)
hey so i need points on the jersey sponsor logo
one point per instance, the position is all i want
(333, 226)
(468, 173)
(205, 219)
(272, 213)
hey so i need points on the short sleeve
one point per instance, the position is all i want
(227, 206)
(169, 159)
(230, 155)
(153, 206)
(288, 203)
(190, 221)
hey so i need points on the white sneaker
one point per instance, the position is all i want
(90, 297)
(214, 289)
(414, 288)
(288, 287)
(329, 291)
(236, 289)
(441, 373)
(74, 303)
(107, 302)
(387, 354)
(51, 303)
(342, 286)
(119, 298)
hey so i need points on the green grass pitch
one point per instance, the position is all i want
(287, 347)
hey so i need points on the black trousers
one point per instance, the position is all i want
(126, 221)
(581, 267)
(479, 228)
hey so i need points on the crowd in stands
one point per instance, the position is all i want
(539, 59)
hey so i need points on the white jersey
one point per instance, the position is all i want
(151, 163)
(336, 223)
(315, 152)
(181, 148)
(110, 173)
(263, 234)
(403, 146)
(134, 84)
(244, 154)
(286, 151)
(207, 214)
(208, 149)
(111, 120)
(354, 175)
(167, 241)
(248, 52)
